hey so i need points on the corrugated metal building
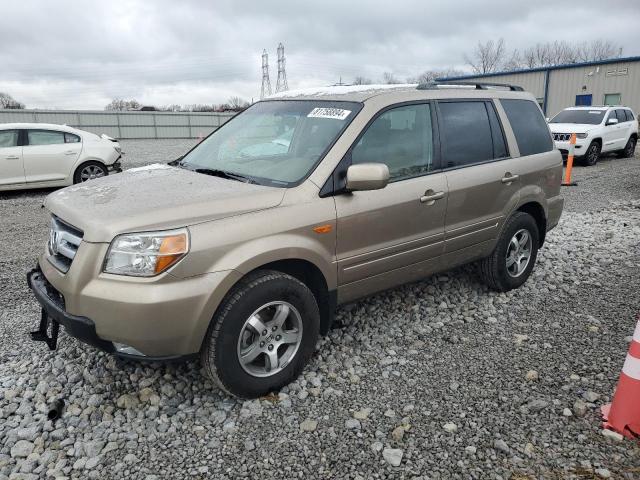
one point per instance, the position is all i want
(606, 82)
(125, 125)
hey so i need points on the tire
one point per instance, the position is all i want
(84, 171)
(593, 153)
(232, 332)
(494, 269)
(629, 149)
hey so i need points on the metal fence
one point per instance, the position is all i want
(124, 125)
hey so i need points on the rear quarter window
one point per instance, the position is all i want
(528, 125)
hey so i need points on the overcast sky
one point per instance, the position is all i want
(81, 54)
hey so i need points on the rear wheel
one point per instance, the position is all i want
(89, 171)
(629, 149)
(514, 256)
(593, 154)
(262, 335)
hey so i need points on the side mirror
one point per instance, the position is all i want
(612, 121)
(547, 119)
(367, 176)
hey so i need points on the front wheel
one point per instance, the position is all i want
(593, 154)
(262, 335)
(514, 256)
(89, 171)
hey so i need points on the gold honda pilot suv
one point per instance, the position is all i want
(241, 250)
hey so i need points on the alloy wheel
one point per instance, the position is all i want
(269, 339)
(518, 253)
(90, 172)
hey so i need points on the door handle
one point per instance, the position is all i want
(430, 197)
(508, 178)
(69, 152)
(12, 157)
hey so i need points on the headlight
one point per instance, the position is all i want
(582, 135)
(146, 254)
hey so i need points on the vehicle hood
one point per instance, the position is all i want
(571, 127)
(155, 197)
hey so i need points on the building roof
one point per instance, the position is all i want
(543, 69)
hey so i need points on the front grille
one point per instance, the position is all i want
(562, 137)
(63, 244)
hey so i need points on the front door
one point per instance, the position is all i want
(50, 155)
(390, 236)
(11, 165)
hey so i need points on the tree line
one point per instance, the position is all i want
(235, 104)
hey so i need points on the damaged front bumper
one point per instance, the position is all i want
(54, 314)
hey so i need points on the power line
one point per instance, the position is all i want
(281, 83)
(266, 83)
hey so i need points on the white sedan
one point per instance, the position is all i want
(35, 155)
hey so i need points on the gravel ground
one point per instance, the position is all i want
(438, 379)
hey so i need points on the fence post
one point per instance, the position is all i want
(155, 126)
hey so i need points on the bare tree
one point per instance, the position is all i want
(7, 101)
(362, 81)
(120, 105)
(238, 104)
(598, 50)
(488, 57)
(561, 52)
(389, 78)
(429, 76)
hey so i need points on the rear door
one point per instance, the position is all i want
(625, 127)
(11, 163)
(611, 135)
(49, 155)
(483, 179)
(394, 235)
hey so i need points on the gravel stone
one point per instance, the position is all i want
(450, 427)
(309, 425)
(393, 456)
(611, 435)
(501, 446)
(22, 449)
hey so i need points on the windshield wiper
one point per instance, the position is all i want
(223, 174)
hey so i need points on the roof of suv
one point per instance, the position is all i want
(361, 93)
(597, 107)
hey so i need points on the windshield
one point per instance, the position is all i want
(590, 117)
(276, 143)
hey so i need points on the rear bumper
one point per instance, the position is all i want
(115, 167)
(554, 212)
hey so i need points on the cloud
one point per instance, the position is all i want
(80, 54)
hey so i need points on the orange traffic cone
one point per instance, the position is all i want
(623, 414)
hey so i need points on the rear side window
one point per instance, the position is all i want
(622, 117)
(71, 138)
(465, 131)
(8, 138)
(45, 137)
(528, 125)
(629, 115)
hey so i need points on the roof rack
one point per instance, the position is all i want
(476, 85)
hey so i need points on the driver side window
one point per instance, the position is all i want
(402, 139)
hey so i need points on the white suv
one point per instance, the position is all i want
(36, 155)
(598, 130)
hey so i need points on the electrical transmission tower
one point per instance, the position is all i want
(281, 83)
(266, 83)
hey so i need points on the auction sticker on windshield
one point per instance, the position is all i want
(333, 113)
